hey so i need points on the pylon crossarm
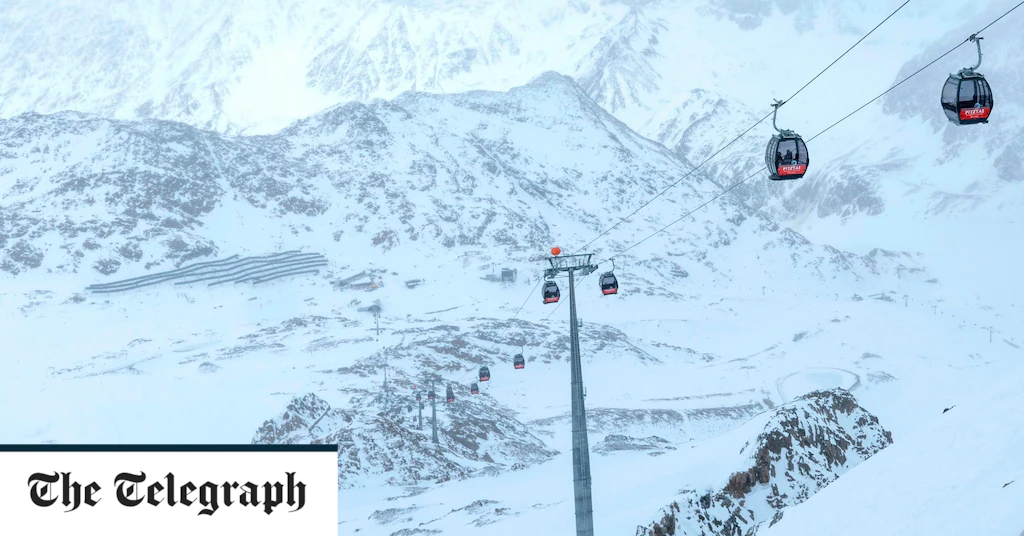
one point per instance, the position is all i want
(569, 262)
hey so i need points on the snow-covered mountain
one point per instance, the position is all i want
(399, 140)
(947, 168)
(478, 437)
(805, 446)
(958, 473)
(676, 71)
(423, 183)
(518, 170)
(225, 68)
(240, 65)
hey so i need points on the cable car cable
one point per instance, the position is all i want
(897, 84)
(702, 205)
(518, 311)
(997, 20)
(847, 52)
(744, 133)
(847, 116)
(761, 170)
(502, 333)
(719, 151)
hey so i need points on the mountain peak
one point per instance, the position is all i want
(553, 78)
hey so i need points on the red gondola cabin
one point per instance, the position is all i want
(609, 284)
(966, 97)
(787, 157)
(551, 293)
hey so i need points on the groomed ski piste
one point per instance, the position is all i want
(890, 272)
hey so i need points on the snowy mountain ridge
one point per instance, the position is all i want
(424, 173)
(645, 62)
(213, 60)
(436, 143)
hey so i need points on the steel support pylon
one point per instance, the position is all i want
(433, 415)
(571, 264)
(580, 444)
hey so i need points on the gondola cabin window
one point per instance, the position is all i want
(949, 98)
(791, 157)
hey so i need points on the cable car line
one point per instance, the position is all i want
(847, 116)
(684, 216)
(507, 325)
(847, 51)
(669, 187)
(973, 37)
(897, 84)
(929, 64)
(716, 153)
(744, 133)
(998, 19)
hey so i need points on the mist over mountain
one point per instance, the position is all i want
(286, 223)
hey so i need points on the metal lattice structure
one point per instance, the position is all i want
(433, 415)
(572, 264)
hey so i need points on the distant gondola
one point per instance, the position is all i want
(449, 395)
(518, 361)
(551, 293)
(431, 395)
(786, 156)
(966, 96)
(474, 389)
(418, 396)
(485, 374)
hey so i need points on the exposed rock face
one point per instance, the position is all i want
(111, 196)
(653, 445)
(385, 444)
(806, 445)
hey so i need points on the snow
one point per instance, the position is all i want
(956, 474)
(172, 400)
(358, 99)
(814, 379)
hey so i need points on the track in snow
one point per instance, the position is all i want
(813, 379)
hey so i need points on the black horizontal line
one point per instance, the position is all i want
(167, 448)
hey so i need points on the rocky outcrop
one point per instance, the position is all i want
(653, 445)
(806, 445)
(381, 440)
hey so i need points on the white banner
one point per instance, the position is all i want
(169, 490)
